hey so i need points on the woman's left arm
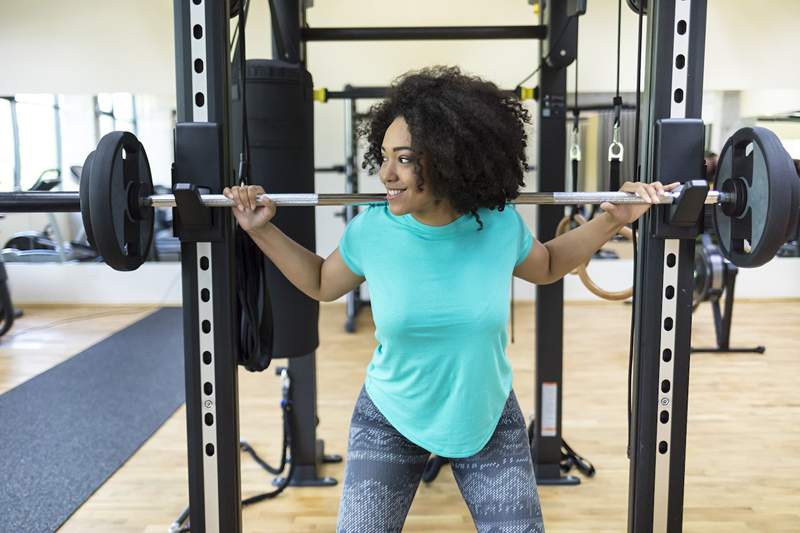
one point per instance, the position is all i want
(549, 262)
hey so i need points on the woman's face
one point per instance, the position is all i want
(398, 173)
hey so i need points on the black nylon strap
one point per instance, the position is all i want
(614, 171)
(574, 166)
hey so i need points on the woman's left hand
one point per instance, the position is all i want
(627, 213)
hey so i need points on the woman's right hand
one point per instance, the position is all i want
(249, 215)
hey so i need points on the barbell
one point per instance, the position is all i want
(56, 202)
(756, 206)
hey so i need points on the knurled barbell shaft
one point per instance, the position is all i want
(62, 202)
(543, 198)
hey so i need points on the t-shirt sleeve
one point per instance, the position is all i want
(350, 243)
(524, 237)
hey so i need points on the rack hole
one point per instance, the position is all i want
(669, 292)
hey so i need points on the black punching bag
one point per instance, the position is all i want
(280, 121)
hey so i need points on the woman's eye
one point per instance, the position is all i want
(404, 159)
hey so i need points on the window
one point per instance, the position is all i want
(38, 141)
(6, 145)
(115, 111)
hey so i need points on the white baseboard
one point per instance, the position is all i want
(94, 283)
(778, 279)
(160, 283)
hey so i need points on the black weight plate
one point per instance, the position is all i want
(791, 230)
(85, 187)
(123, 231)
(702, 276)
(755, 159)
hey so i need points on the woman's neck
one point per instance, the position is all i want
(441, 215)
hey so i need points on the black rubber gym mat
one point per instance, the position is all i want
(65, 431)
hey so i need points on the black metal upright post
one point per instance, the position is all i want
(663, 306)
(351, 187)
(207, 256)
(560, 50)
(307, 451)
(288, 19)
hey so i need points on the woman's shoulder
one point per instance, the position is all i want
(372, 209)
(504, 212)
(369, 211)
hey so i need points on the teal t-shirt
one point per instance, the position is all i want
(440, 298)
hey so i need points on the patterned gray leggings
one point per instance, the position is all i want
(384, 469)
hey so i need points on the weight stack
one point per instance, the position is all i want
(280, 119)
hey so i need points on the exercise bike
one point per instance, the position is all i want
(47, 245)
(715, 277)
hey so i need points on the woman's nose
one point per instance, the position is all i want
(388, 171)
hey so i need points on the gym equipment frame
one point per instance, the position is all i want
(755, 210)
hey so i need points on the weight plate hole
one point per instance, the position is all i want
(681, 27)
(680, 61)
(668, 324)
(208, 388)
(206, 326)
(671, 260)
(662, 447)
(666, 356)
(209, 449)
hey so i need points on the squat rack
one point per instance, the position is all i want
(662, 324)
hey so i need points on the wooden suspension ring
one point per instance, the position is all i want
(583, 274)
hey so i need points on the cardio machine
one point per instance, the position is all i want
(47, 245)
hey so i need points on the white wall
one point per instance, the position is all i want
(86, 47)
(99, 46)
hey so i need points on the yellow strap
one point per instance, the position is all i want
(321, 95)
(527, 93)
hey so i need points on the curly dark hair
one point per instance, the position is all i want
(470, 133)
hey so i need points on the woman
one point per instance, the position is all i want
(439, 256)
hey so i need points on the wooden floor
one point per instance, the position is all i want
(743, 449)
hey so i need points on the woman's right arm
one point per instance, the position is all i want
(321, 279)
